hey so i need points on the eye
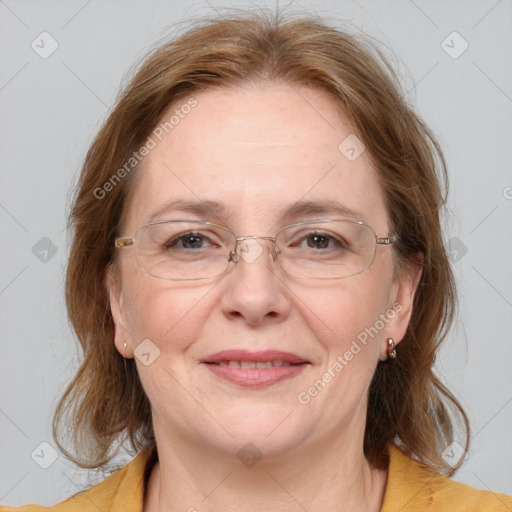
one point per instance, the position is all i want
(320, 240)
(190, 240)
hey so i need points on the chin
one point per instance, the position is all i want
(268, 431)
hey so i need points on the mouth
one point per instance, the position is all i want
(276, 363)
(255, 369)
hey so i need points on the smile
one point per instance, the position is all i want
(277, 363)
(247, 374)
(251, 369)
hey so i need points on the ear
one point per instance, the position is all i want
(402, 299)
(112, 284)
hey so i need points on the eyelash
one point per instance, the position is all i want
(179, 239)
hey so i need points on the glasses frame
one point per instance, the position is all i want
(128, 241)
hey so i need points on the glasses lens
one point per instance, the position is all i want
(180, 250)
(326, 250)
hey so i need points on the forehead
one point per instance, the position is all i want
(256, 151)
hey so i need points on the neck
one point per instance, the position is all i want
(334, 476)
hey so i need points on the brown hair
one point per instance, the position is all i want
(407, 404)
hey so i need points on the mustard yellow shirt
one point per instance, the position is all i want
(410, 488)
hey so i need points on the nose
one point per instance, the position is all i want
(249, 249)
(255, 291)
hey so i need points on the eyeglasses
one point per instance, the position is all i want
(182, 250)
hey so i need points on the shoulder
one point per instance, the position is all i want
(412, 487)
(121, 491)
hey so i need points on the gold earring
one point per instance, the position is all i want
(391, 348)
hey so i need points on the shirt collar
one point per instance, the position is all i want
(130, 493)
(408, 488)
(410, 485)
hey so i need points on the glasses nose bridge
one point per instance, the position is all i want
(242, 238)
(235, 253)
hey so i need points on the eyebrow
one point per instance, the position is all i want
(329, 208)
(208, 209)
(200, 208)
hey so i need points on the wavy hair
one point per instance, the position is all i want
(105, 404)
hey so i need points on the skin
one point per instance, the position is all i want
(257, 150)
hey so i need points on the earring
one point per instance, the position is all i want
(391, 348)
(125, 345)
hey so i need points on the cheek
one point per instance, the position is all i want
(346, 313)
(171, 317)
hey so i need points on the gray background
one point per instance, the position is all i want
(51, 108)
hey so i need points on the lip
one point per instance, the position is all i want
(246, 355)
(255, 377)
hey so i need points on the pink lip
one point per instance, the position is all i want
(245, 355)
(255, 377)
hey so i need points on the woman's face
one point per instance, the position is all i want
(255, 153)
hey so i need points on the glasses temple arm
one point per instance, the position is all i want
(124, 241)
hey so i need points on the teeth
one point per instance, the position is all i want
(278, 363)
(268, 364)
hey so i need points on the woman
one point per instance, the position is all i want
(259, 283)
